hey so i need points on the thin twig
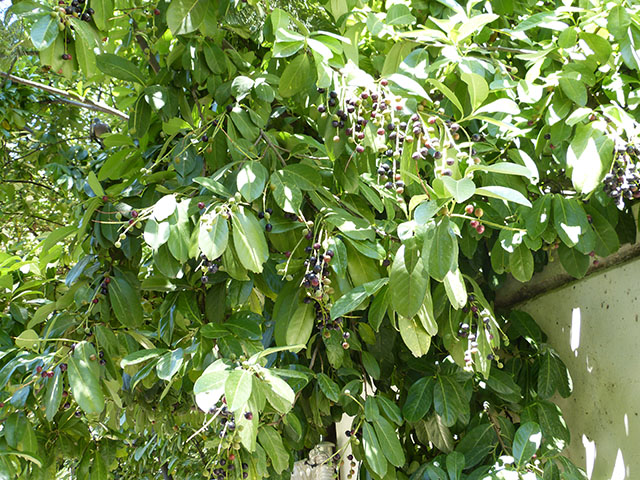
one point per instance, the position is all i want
(272, 147)
(6, 79)
(82, 103)
(27, 181)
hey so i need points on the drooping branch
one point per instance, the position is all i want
(67, 97)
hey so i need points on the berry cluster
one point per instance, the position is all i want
(267, 216)
(396, 129)
(104, 289)
(78, 9)
(208, 267)
(471, 332)
(623, 182)
(225, 468)
(471, 210)
(317, 270)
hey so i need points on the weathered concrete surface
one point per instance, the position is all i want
(594, 325)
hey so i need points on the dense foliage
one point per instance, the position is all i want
(304, 210)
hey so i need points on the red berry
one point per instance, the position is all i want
(326, 259)
(134, 214)
(468, 209)
(248, 416)
(44, 374)
(474, 223)
(107, 280)
(287, 254)
(95, 300)
(156, 11)
(105, 198)
(200, 205)
(316, 246)
(1, 404)
(381, 131)
(39, 368)
(480, 229)
(384, 82)
(359, 149)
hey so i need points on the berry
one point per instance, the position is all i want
(268, 227)
(359, 149)
(468, 209)
(134, 214)
(480, 229)
(330, 253)
(95, 300)
(156, 11)
(384, 82)
(63, 367)
(66, 56)
(248, 416)
(474, 223)
(345, 345)
(200, 205)
(476, 137)
(479, 212)
(86, 17)
(204, 279)
(107, 280)
(336, 138)
(316, 246)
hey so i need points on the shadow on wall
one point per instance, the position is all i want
(595, 328)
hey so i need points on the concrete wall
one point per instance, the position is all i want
(595, 327)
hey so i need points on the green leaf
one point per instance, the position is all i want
(447, 93)
(449, 401)
(409, 85)
(373, 453)
(53, 396)
(251, 180)
(156, 234)
(599, 45)
(426, 211)
(478, 88)
(589, 157)
(389, 442)
(552, 376)
(83, 372)
(477, 443)
(215, 58)
(399, 14)
(213, 236)
(125, 300)
(526, 442)
(339, 260)
(455, 465)
(570, 219)
(141, 356)
(521, 263)
(280, 395)
(169, 364)
(414, 336)
(554, 430)
(352, 299)
(102, 12)
(574, 89)
(537, 219)
(328, 387)
(185, 16)
(271, 441)
(607, 241)
(295, 76)
(390, 409)
(286, 195)
(502, 167)
(300, 325)
(460, 190)
(378, 308)
(140, 119)
(237, 389)
(209, 387)
(504, 193)
(618, 21)
(443, 255)
(249, 240)
(44, 31)
(119, 67)
(455, 289)
(419, 399)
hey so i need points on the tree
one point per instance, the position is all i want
(303, 211)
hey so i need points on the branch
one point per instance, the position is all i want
(27, 181)
(81, 103)
(144, 45)
(165, 472)
(272, 147)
